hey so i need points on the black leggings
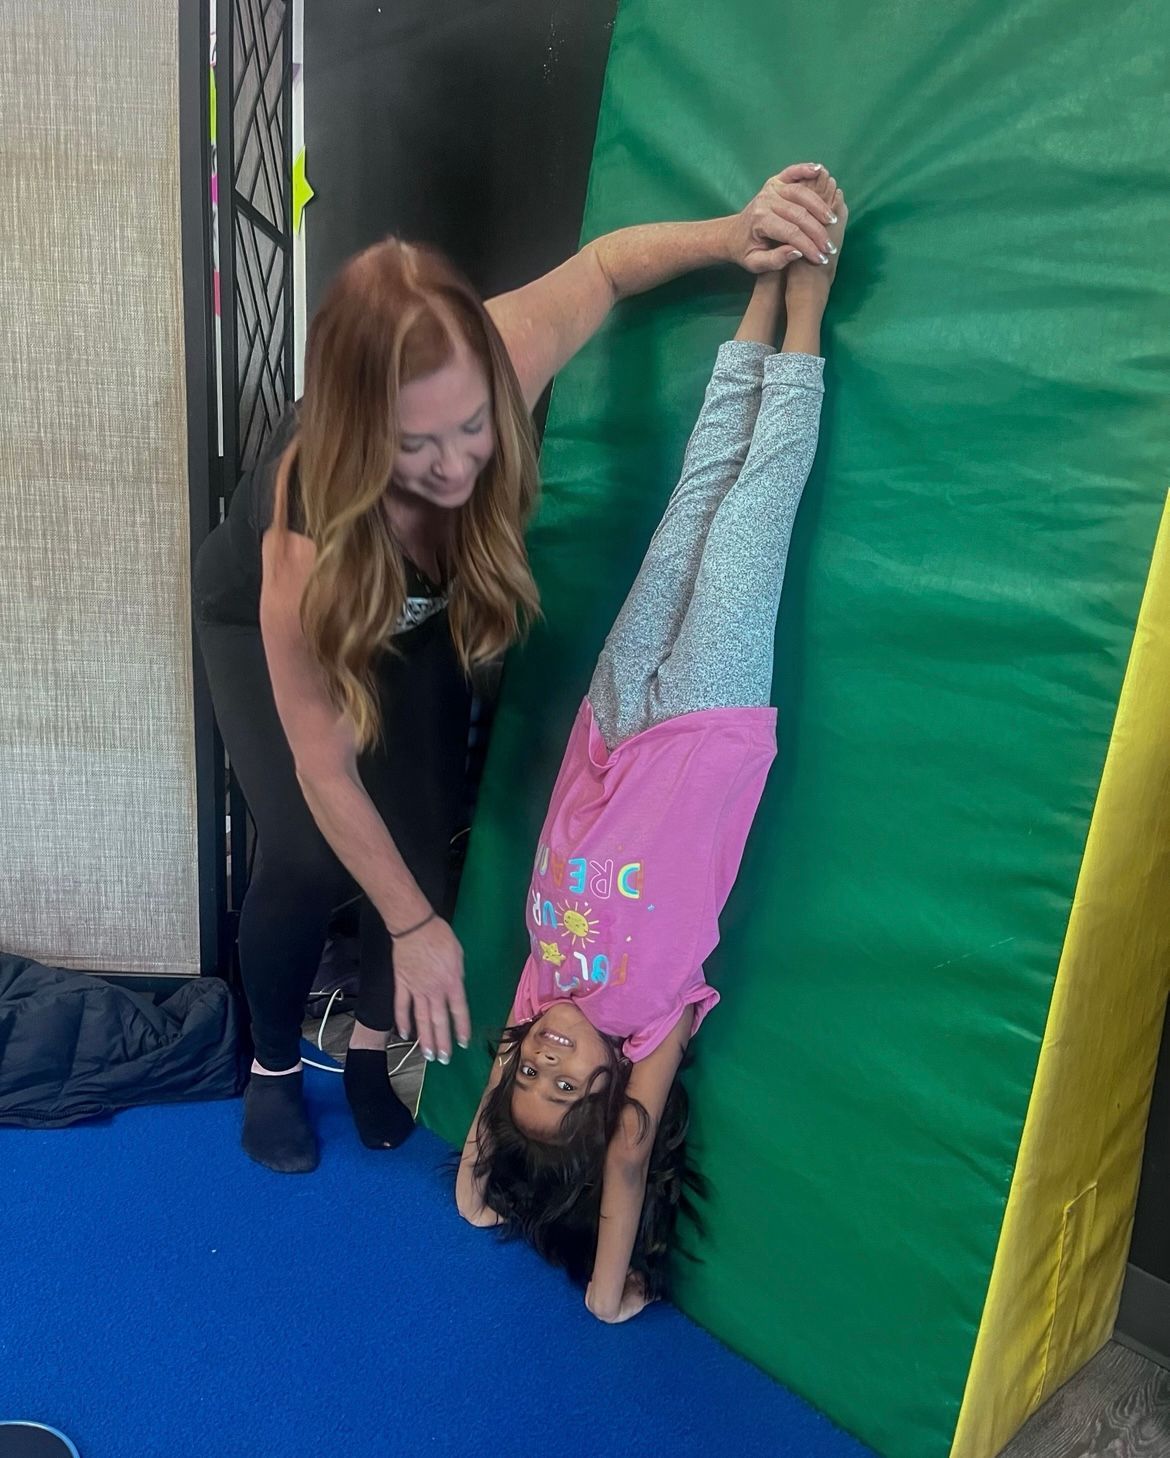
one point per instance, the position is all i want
(414, 776)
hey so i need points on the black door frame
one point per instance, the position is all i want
(253, 381)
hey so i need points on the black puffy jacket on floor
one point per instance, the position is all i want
(74, 1047)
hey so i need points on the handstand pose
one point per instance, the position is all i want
(579, 1140)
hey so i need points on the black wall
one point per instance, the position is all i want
(468, 124)
(464, 123)
(1144, 1319)
(1151, 1233)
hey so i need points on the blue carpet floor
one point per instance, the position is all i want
(162, 1297)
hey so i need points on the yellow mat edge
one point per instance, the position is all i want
(1056, 1278)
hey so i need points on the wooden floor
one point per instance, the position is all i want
(1116, 1407)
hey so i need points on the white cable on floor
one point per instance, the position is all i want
(334, 1068)
(405, 1056)
(324, 1067)
(325, 1019)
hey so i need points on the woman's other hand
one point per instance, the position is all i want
(791, 214)
(428, 989)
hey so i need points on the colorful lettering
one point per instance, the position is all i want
(577, 875)
(558, 869)
(541, 860)
(565, 986)
(600, 972)
(601, 881)
(630, 880)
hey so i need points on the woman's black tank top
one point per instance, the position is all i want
(417, 771)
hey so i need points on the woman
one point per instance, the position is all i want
(368, 564)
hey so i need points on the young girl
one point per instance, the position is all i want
(579, 1140)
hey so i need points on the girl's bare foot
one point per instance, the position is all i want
(807, 284)
(810, 277)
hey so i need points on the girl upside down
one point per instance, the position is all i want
(579, 1141)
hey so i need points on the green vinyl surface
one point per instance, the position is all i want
(965, 576)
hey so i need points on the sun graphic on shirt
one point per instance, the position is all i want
(579, 923)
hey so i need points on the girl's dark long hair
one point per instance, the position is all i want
(549, 1191)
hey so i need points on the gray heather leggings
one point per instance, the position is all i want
(698, 628)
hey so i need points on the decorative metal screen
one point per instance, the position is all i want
(254, 59)
(255, 62)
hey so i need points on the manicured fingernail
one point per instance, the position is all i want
(444, 1059)
(832, 217)
(402, 1033)
(463, 1043)
(832, 246)
(429, 1054)
(816, 166)
(823, 257)
(796, 253)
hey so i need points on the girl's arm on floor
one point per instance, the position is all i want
(613, 1294)
(468, 1196)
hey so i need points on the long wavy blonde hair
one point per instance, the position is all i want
(395, 313)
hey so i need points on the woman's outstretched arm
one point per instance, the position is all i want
(547, 321)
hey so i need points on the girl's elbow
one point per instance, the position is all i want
(483, 1217)
(630, 1162)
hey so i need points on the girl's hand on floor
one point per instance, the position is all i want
(634, 1299)
(789, 214)
(428, 989)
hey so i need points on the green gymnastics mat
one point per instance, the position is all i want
(968, 569)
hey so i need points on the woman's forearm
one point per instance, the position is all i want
(348, 820)
(636, 259)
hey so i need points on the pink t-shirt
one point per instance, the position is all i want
(639, 852)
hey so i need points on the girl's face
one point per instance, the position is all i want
(445, 430)
(560, 1053)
